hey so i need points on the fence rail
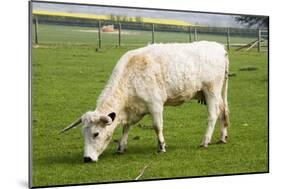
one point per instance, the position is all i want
(133, 33)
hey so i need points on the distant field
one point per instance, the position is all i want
(86, 35)
(67, 77)
(106, 17)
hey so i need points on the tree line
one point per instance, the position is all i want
(118, 18)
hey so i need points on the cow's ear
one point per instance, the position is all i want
(112, 115)
(105, 120)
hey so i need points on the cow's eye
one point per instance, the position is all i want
(95, 135)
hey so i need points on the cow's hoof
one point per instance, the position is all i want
(119, 152)
(221, 141)
(161, 150)
(161, 147)
(204, 145)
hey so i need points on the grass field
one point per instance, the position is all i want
(68, 76)
(87, 35)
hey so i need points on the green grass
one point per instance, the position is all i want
(66, 81)
(87, 35)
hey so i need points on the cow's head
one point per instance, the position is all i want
(97, 131)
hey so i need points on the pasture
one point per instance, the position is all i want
(67, 77)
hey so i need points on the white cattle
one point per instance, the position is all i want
(147, 79)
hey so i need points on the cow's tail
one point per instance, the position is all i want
(225, 111)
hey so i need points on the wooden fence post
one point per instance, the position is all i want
(119, 34)
(195, 34)
(153, 39)
(228, 39)
(190, 39)
(36, 29)
(259, 40)
(99, 34)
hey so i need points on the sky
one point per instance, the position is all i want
(205, 19)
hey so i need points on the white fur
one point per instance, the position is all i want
(146, 79)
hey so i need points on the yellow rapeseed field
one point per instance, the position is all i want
(104, 17)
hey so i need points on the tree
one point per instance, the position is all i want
(124, 18)
(111, 17)
(259, 21)
(139, 19)
(118, 18)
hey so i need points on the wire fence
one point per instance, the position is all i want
(102, 34)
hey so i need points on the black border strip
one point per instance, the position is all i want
(125, 181)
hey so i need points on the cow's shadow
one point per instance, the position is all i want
(76, 157)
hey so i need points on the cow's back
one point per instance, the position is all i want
(177, 71)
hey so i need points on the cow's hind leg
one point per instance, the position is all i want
(156, 111)
(213, 102)
(124, 140)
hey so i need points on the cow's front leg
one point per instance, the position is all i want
(156, 111)
(213, 112)
(122, 146)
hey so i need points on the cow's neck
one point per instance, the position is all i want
(111, 102)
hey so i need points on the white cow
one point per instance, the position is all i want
(147, 79)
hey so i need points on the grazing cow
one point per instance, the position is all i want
(147, 79)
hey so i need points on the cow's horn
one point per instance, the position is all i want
(72, 125)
